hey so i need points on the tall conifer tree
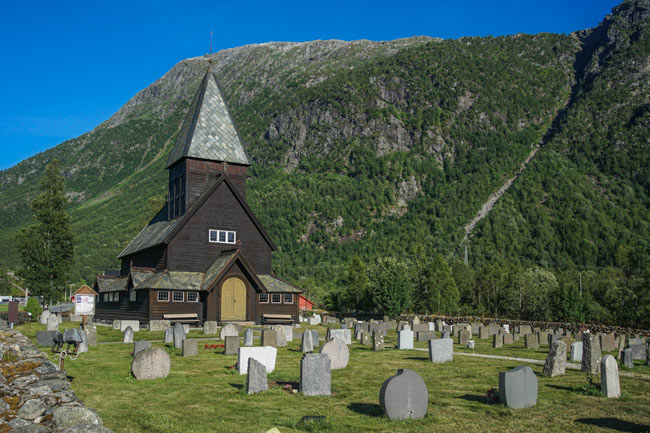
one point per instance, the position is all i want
(47, 247)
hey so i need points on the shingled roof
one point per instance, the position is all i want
(208, 131)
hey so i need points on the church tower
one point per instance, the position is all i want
(208, 144)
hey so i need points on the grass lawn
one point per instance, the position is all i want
(5, 307)
(203, 394)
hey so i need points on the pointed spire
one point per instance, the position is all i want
(209, 131)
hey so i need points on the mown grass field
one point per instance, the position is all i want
(204, 394)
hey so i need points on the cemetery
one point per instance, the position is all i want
(368, 377)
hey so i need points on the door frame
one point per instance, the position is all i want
(221, 297)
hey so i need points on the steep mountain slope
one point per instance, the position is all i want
(365, 147)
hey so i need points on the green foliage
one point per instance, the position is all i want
(440, 294)
(46, 248)
(33, 307)
(390, 286)
(357, 297)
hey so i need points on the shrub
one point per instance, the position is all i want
(33, 307)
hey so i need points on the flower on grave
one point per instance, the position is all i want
(207, 346)
(287, 387)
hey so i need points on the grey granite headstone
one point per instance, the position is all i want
(343, 334)
(366, 338)
(256, 380)
(377, 341)
(159, 325)
(590, 353)
(179, 336)
(169, 335)
(576, 351)
(531, 341)
(45, 338)
(91, 334)
(441, 350)
(493, 328)
(151, 363)
(497, 341)
(638, 351)
(609, 381)
(229, 329)
(405, 339)
(315, 374)
(44, 316)
(626, 358)
(404, 396)
(518, 388)
(248, 337)
(607, 342)
(210, 328)
(445, 334)
(83, 346)
(307, 344)
(280, 337)
(231, 345)
(315, 338)
(426, 335)
(190, 347)
(338, 353)
(269, 338)
(463, 336)
(556, 360)
(508, 338)
(53, 323)
(128, 335)
(483, 333)
(140, 345)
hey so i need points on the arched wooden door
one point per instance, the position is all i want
(233, 299)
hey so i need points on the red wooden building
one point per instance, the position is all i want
(304, 303)
(204, 256)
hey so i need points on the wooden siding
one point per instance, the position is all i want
(154, 257)
(158, 309)
(200, 174)
(282, 308)
(125, 310)
(190, 249)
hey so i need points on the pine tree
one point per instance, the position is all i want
(46, 247)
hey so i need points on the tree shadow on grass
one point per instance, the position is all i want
(615, 424)
(368, 409)
(476, 398)
(418, 359)
(564, 388)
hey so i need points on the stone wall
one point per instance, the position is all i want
(34, 396)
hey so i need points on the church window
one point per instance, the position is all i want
(222, 236)
(163, 296)
(178, 296)
(288, 299)
(264, 298)
(276, 298)
(131, 295)
(192, 296)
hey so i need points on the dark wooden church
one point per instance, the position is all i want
(204, 256)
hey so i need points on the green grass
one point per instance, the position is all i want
(202, 394)
(5, 307)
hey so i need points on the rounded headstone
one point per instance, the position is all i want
(338, 353)
(404, 396)
(248, 337)
(307, 342)
(128, 335)
(169, 335)
(44, 316)
(151, 363)
(230, 330)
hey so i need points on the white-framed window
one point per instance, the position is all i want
(222, 236)
(192, 296)
(288, 299)
(115, 297)
(131, 295)
(178, 296)
(264, 298)
(163, 296)
(276, 298)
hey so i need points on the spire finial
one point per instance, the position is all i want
(210, 60)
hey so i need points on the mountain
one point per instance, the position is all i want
(366, 147)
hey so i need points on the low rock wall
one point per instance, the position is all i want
(34, 396)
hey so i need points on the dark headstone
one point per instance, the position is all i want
(256, 379)
(248, 337)
(518, 388)
(366, 338)
(315, 374)
(556, 360)
(377, 341)
(12, 312)
(607, 342)
(404, 396)
(531, 341)
(231, 345)
(464, 336)
(179, 336)
(627, 359)
(590, 353)
(45, 338)
(315, 338)
(426, 335)
(269, 338)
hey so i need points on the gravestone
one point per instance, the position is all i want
(432, 326)
(140, 345)
(45, 338)
(116, 325)
(626, 358)
(421, 327)
(343, 334)
(377, 341)
(228, 329)
(405, 340)
(607, 342)
(531, 341)
(609, 381)
(576, 351)
(210, 328)
(179, 336)
(445, 334)
(159, 325)
(315, 338)
(366, 339)
(464, 336)
(590, 353)
(543, 338)
(256, 379)
(169, 335)
(493, 328)
(248, 337)
(556, 360)
(518, 388)
(483, 333)
(638, 351)
(475, 327)
(315, 374)
(307, 343)
(91, 334)
(151, 363)
(525, 329)
(506, 328)
(269, 338)
(404, 396)
(128, 336)
(83, 346)
(426, 335)
(53, 323)
(315, 320)
(552, 338)
(288, 332)
(186, 329)
(264, 354)
(44, 316)
(508, 339)
(338, 353)
(497, 341)
(470, 344)
(190, 347)
(231, 345)
(441, 350)
(134, 324)
(280, 337)
(416, 320)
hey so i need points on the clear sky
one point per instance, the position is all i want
(69, 65)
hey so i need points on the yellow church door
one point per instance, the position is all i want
(233, 300)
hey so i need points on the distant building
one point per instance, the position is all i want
(304, 303)
(204, 256)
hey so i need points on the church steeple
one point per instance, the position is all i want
(208, 144)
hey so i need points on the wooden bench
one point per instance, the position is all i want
(277, 319)
(182, 317)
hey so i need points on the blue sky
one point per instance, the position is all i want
(68, 65)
